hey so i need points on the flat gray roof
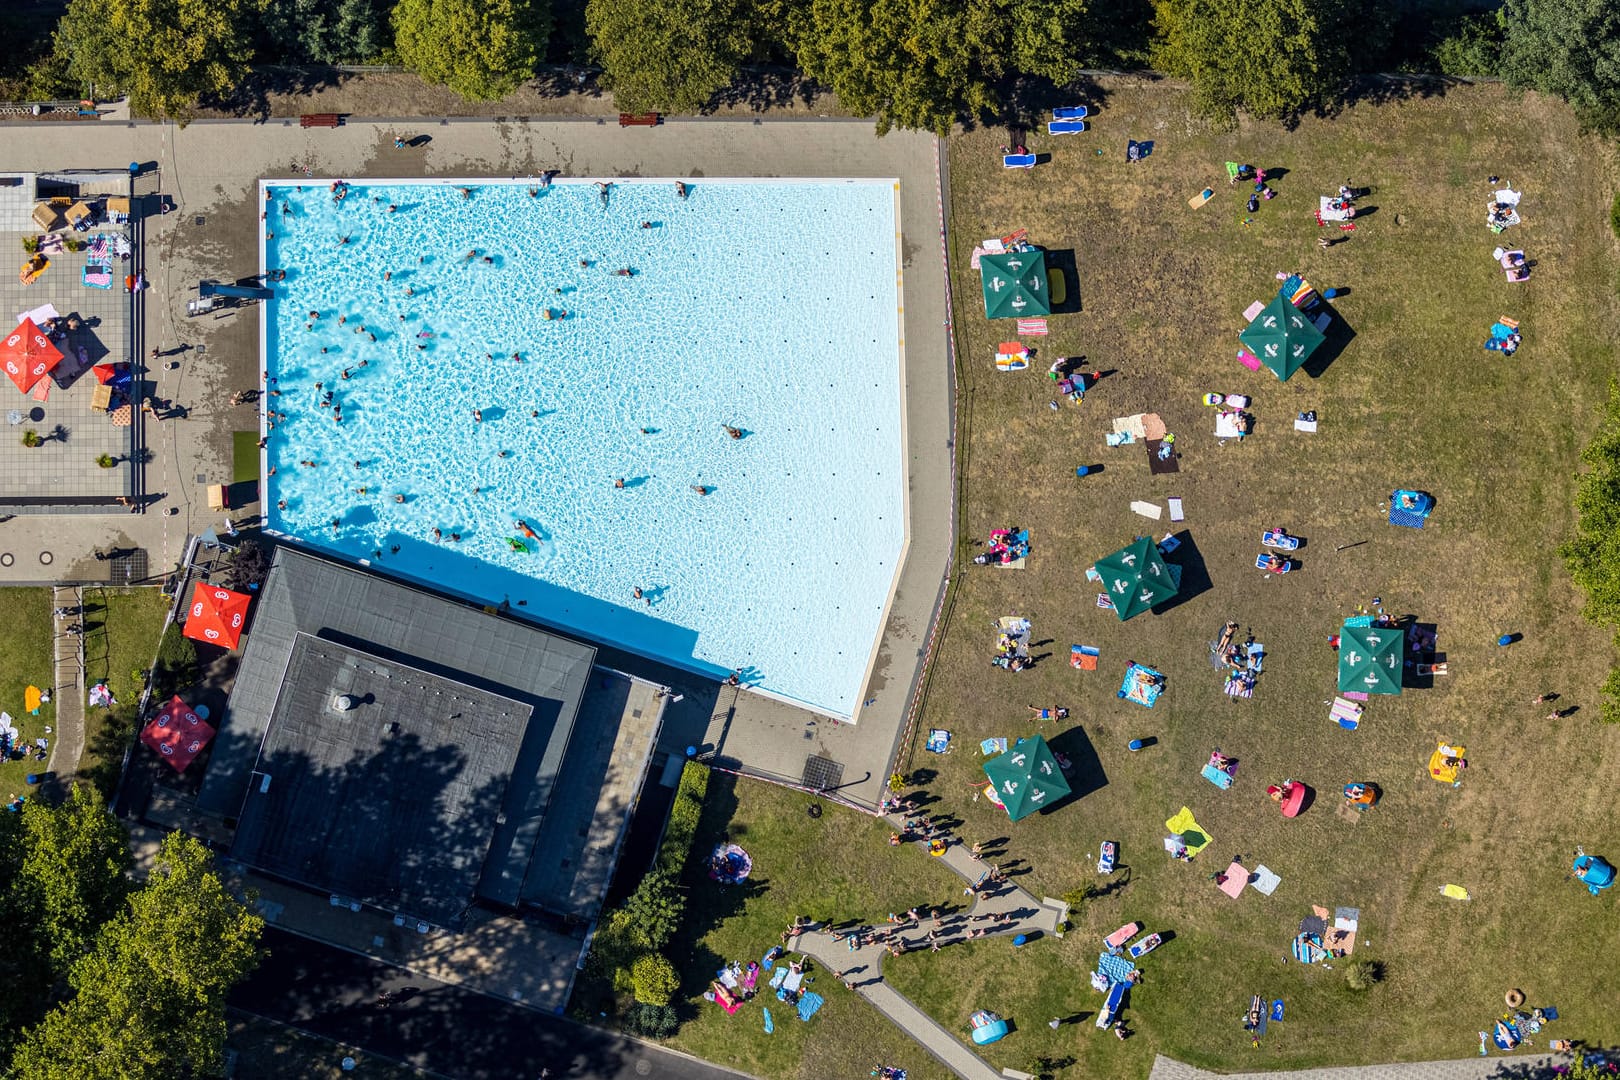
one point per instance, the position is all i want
(391, 801)
(397, 623)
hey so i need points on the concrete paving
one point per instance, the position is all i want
(67, 685)
(1525, 1067)
(210, 170)
(863, 966)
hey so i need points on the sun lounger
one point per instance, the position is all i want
(1018, 161)
(1065, 127)
(1110, 1006)
(1071, 112)
(1260, 564)
(1116, 941)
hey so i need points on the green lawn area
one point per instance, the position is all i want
(123, 626)
(25, 659)
(838, 866)
(270, 1051)
(1409, 400)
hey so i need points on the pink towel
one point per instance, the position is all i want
(1248, 360)
(1032, 326)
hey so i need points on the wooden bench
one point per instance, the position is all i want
(320, 120)
(651, 119)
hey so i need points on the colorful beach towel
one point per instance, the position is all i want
(809, 1003)
(1032, 327)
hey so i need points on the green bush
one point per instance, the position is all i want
(1614, 216)
(1363, 975)
(654, 910)
(651, 1021)
(1592, 555)
(684, 817)
(653, 979)
(1473, 46)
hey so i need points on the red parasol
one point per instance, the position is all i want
(28, 355)
(177, 734)
(216, 615)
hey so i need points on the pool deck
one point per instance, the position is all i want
(211, 168)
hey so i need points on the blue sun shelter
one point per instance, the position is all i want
(1026, 778)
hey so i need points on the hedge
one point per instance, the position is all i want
(684, 818)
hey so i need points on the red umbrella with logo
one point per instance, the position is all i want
(28, 355)
(177, 734)
(216, 615)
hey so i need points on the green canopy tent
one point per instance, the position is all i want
(1282, 337)
(1136, 578)
(1026, 778)
(1015, 285)
(1370, 658)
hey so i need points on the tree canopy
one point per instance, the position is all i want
(1570, 48)
(149, 997)
(323, 31)
(481, 49)
(669, 55)
(165, 54)
(1593, 553)
(1269, 58)
(930, 63)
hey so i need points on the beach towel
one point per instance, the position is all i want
(778, 978)
(1084, 657)
(1104, 602)
(1032, 327)
(1219, 777)
(1248, 359)
(939, 741)
(1147, 509)
(1158, 462)
(996, 745)
(1253, 311)
(1305, 425)
(1176, 513)
(809, 1003)
(1265, 880)
(1142, 685)
(1277, 1010)
(1236, 876)
(769, 1026)
(1115, 968)
(1184, 826)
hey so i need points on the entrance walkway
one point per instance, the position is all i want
(67, 689)
(863, 967)
(1527, 1067)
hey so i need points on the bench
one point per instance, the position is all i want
(320, 120)
(651, 119)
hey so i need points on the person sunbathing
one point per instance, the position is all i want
(1274, 562)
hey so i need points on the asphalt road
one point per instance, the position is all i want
(443, 1028)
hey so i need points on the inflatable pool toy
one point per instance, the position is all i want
(517, 545)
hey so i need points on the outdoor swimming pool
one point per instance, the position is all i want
(771, 307)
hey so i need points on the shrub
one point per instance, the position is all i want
(1592, 555)
(654, 910)
(1077, 898)
(248, 567)
(1363, 975)
(1614, 215)
(30, 244)
(31, 438)
(684, 817)
(651, 1021)
(105, 461)
(1473, 46)
(176, 667)
(653, 979)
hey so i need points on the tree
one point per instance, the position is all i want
(1592, 555)
(928, 64)
(249, 566)
(669, 55)
(653, 979)
(149, 998)
(322, 31)
(1271, 58)
(73, 874)
(481, 49)
(165, 54)
(1570, 48)
(653, 912)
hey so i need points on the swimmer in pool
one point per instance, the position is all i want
(619, 483)
(735, 433)
(701, 489)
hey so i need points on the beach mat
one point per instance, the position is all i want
(1160, 466)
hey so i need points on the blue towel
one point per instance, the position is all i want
(1550, 1012)
(1406, 518)
(769, 1027)
(1277, 1009)
(808, 1004)
(1117, 968)
(1218, 777)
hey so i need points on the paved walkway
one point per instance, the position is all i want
(864, 966)
(67, 685)
(1527, 1067)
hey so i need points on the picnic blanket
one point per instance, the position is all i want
(1184, 826)
(1032, 327)
(808, 1004)
(1114, 968)
(1234, 878)
(1142, 685)
(1265, 880)
(1141, 426)
(1346, 921)
(1159, 463)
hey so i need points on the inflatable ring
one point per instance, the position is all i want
(1514, 998)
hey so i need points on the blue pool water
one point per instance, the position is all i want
(772, 307)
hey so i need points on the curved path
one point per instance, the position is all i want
(863, 967)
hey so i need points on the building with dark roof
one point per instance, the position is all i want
(408, 752)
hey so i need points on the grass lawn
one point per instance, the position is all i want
(123, 626)
(25, 658)
(1407, 399)
(838, 866)
(270, 1051)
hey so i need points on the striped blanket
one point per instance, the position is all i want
(1032, 326)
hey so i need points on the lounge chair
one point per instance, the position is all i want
(1018, 161)
(1065, 127)
(1071, 112)
(1260, 564)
